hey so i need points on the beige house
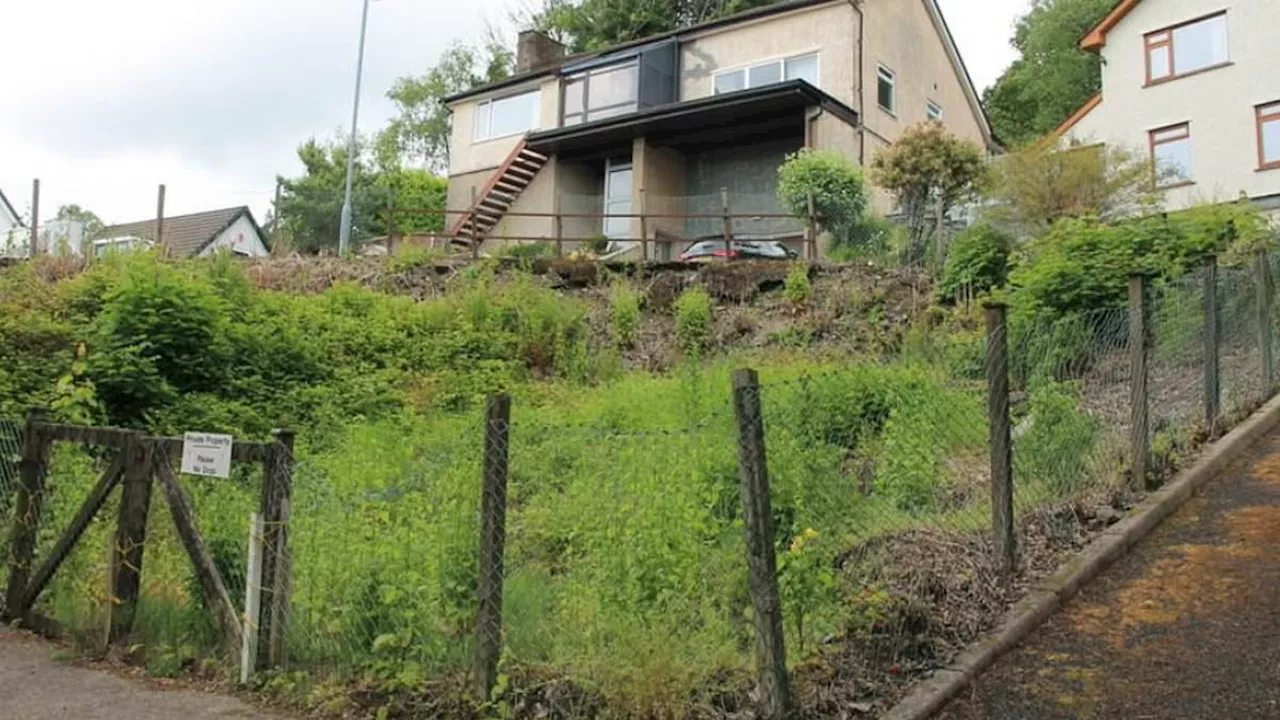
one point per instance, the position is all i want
(1194, 84)
(672, 124)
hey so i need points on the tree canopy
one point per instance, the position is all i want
(593, 24)
(1053, 77)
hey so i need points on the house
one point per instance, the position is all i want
(204, 233)
(1192, 83)
(670, 125)
(13, 235)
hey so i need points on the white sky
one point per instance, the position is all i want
(105, 99)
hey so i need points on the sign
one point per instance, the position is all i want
(206, 454)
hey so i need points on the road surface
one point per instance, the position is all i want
(1187, 626)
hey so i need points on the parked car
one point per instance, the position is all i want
(710, 250)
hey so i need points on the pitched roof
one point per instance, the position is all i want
(1097, 37)
(185, 235)
(1078, 115)
(4, 205)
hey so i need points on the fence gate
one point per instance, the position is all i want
(136, 462)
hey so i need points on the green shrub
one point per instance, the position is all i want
(839, 192)
(527, 250)
(693, 321)
(978, 261)
(624, 309)
(1055, 450)
(873, 239)
(797, 288)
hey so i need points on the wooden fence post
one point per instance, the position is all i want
(1139, 442)
(277, 495)
(493, 535)
(26, 509)
(35, 218)
(131, 537)
(252, 600)
(1212, 382)
(644, 228)
(1264, 325)
(811, 227)
(757, 515)
(559, 223)
(1002, 520)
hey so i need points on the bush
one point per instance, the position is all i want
(693, 321)
(796, 287)
(873, 239)
(838, 189)
(978, 262)
(624, 307)
(1056, 448)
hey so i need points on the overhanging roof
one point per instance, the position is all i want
(1097, 37)
(729, 110)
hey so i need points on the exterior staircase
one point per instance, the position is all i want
(499, 193)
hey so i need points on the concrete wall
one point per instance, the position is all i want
(582, 188)
(901, 35)
(241, 238)
(662, 175)
(830, 29)
(1219, 104)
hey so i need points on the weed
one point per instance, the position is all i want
(693, 321)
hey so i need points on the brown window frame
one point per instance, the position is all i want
(1150, 42)
(1263, 114)
(1153, 144)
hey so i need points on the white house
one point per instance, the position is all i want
(205, 233)
(1194, 84)
(13, 242)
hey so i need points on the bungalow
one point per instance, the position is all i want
(204, 233)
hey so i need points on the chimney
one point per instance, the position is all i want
(535, 50)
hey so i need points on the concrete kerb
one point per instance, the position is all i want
(1050, 593)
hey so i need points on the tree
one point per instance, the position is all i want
(311, 205)
(837, 188)
(421, 128)
(1041, 183)
(583, 25)
(75, 213)
(929, 171)
(1053, 77)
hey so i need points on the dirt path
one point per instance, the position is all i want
(1186, 626)
(34, 686)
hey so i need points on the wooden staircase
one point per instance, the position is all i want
(507, 183)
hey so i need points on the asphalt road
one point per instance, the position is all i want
(34, 686)
(1187, 626)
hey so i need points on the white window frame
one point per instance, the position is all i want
(780, 60)
(932, 111)
(536, 120)
(883, 72)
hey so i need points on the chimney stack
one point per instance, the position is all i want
(535, 50)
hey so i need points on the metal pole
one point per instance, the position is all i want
(160, 218)
(344, 232)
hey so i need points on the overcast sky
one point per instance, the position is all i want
(103, 100)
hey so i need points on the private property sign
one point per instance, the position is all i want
(206, 454)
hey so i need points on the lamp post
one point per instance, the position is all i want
(344, 232)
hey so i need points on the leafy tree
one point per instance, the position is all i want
(929, 171)
(838, 190)
(311, 205)
(594, 24)
(421, 128)
(978, 262)
(1041, 183)
(1053, 77)
(75, 213)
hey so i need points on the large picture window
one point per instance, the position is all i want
(508, 116)
(601, 93)
(1187, 48)
(799, 67)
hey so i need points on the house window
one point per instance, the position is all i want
(1186, 48)
(507, 116)
(601, 93)
(1171, 155)
(1269, 136)
(105, 246)
(886, 89)
(800, 67)
(933, 111)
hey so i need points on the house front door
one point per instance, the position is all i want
(617, 200)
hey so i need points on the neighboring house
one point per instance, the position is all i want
(665, 123)
(1193, 83)
(205, 233)
(13, 235)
